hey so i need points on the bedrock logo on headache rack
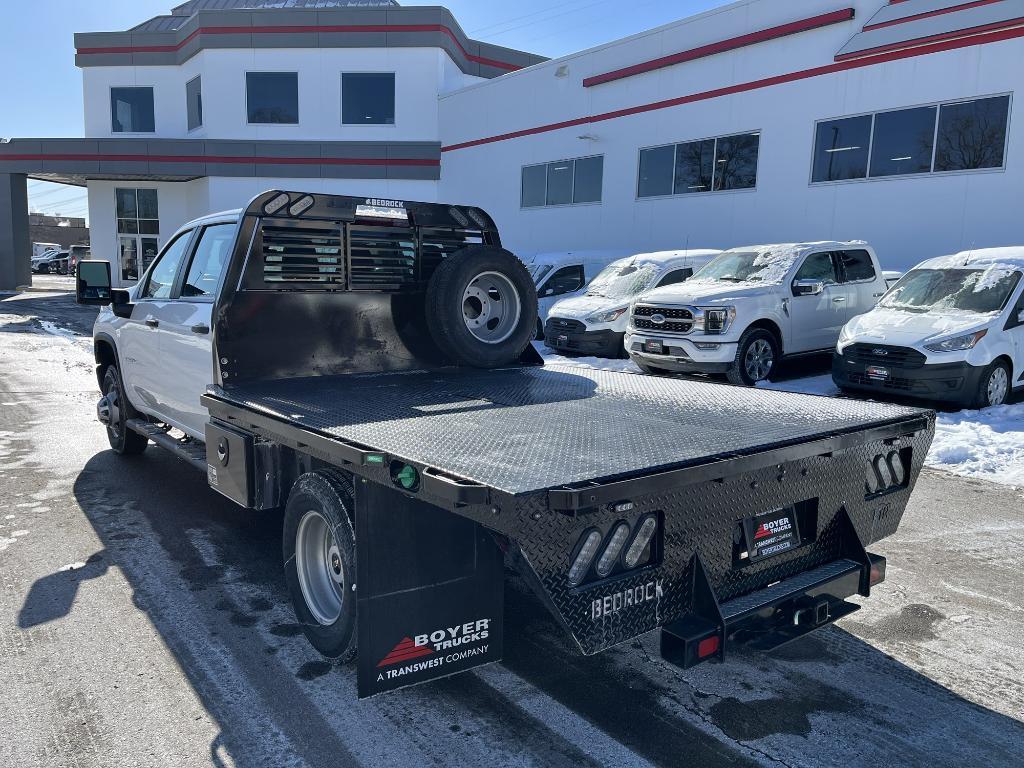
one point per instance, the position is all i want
(435, 649)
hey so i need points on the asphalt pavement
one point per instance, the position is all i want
(144, 621)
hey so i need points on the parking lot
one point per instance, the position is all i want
(144, 620)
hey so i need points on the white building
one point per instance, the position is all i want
(764, 120)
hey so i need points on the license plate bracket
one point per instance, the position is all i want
(877, 372)
(770, 533)
(654, 347)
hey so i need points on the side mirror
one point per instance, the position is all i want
(808, 287)
(92, 283)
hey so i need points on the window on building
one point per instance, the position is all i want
(841, 149)
(707, 165)
(972, 134)
(695, 166)
(566, 280)
(856, 265)
(938, 138)
(138, 227)
(208, 260)
(565, 182)
(368, 98)
(272, 97)
(903, 141)
(131, 110)
(194, 102)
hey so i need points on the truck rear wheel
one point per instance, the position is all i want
(482, 307)
(115, 410)
(320, 560)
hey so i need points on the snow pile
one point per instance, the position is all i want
(987, 444)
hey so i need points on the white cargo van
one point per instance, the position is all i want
(952, 329)
(564, 273)
(594, 323)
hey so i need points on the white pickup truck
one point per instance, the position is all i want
(750, 306)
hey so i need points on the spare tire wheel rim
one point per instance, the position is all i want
(491, 307)
(320, 568)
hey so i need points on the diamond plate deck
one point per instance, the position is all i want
(530, 429)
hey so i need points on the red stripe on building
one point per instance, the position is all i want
(301, 29)
(918, 41)
(733, 43)
(929, 14)
(226, 159)
(789, 77)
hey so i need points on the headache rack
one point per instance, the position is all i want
(357, 245)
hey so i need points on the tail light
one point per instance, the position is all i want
(612, 551)
(585, 556)
(643, 537)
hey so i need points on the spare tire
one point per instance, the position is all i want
(482, 307)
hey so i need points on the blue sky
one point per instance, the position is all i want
(43, 88)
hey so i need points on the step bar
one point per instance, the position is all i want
(188, 450)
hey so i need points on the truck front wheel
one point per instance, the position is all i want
(320, 561)
(756, 355)
(115, 412)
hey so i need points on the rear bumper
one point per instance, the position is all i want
(776, 615)
(598, 343)
(945, 382)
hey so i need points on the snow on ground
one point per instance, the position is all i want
(987, 444)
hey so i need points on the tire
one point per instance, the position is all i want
(320, 561)
(650, 370)
(994, 386)
(121, 439)
(481, 307)
(757, 354)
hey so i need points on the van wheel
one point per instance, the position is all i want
(482, 307)
(993, 387)
(320, 561)
(117, 410)
(756, 356)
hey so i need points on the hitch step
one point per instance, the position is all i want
(191, 451)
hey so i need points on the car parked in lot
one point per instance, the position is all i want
(750, 306)
(559, 275)
(594, 322)
(51, 263)
(952, 329)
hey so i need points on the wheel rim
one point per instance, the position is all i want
(998, 383)
(758, 360)
(320, 568)
(491, 307)
(113, 395)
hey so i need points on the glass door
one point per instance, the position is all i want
(138, 229)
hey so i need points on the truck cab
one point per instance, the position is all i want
(164, 342)
(750, 306)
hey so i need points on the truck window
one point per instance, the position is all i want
(818, 266)
(161, 277)
(565, 280)
(208, 261)
(857, 266)
(675, 276)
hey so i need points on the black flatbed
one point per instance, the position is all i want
(530, 429)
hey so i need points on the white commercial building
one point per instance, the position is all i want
(761, 121)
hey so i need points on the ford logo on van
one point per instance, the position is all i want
(658, 319)
(879, 351)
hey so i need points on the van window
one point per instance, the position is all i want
(818, 266)
(675, 276)
(565, 280)
(857, 265)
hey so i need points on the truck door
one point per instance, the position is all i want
(865, 284)
(816, 319)
(186, 346)
(138, 342)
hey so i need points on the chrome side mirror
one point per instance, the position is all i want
(808, 287)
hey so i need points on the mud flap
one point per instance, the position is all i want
(430, 586)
